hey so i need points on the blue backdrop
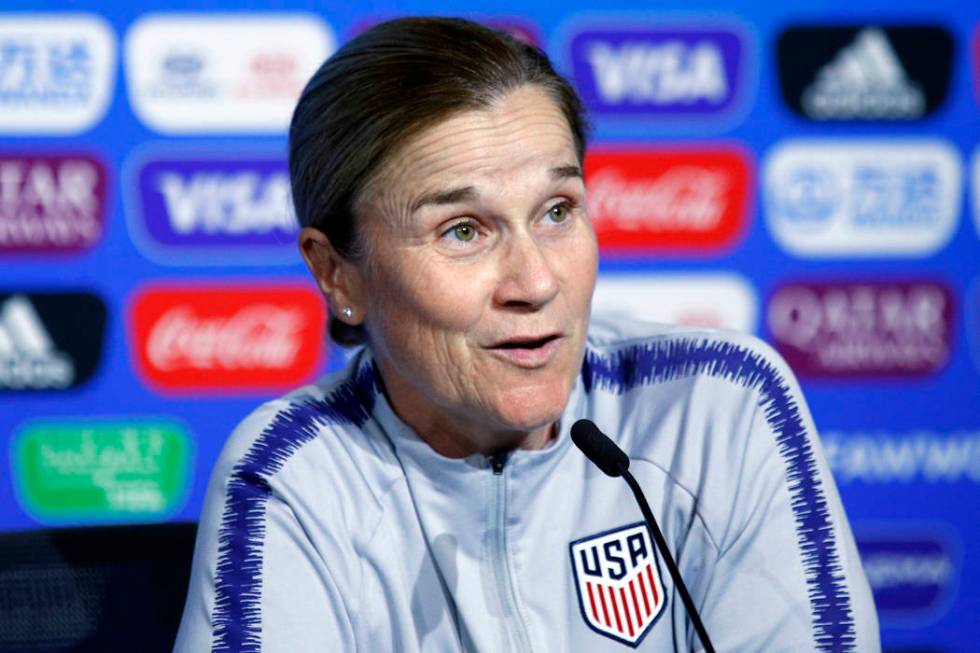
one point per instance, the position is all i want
(808, 172)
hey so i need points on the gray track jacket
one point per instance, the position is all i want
(329, 525)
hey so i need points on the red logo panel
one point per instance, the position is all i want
(668, 200)
(227, 338)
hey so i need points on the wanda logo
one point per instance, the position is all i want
(227, 338)
(692, 200)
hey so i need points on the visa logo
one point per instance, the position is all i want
(696, 72)
(239, 203)
(195, 209)
(665, 73)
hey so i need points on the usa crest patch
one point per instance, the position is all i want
(618, 581)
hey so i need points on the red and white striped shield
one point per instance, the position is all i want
(618, 580)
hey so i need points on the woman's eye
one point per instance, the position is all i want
(464, 232)
(558, 213)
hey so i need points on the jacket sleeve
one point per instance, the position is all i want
(787, 576)
(258, 582)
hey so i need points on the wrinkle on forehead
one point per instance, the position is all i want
(524, 130)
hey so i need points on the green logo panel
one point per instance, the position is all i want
(101, 470)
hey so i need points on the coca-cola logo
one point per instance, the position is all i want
(227, 338)
(662, 200)
(867, 328)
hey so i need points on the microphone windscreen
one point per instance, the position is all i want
(598, 448)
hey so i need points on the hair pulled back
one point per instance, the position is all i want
(386, 86)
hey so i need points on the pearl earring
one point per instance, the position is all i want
(348, 312)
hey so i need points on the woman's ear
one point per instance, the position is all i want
(338, 278)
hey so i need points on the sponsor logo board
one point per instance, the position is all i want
(865, 72)
(51, 202)
(193, 73)
(660, 200)
(92, 470)
(617, 577)
(912, 571)
(910, 458)
(726, 301)
(691, 71)
(49, 340)
(863, 328)
(862, 198)
(213, 210)
(226, 338)
(57, 72)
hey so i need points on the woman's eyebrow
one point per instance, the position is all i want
(564, 172)
(450, 196)
(463, 193)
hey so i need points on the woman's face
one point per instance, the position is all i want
(478, 276)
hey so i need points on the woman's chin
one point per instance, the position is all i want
(527, 410)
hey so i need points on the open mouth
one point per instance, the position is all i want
(526, 343)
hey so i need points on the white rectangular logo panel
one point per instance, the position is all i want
(227, 73)
(725, 301)
(57, 72)
(827, 199)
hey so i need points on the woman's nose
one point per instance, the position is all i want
(527, 277)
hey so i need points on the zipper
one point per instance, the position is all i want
(501, 566)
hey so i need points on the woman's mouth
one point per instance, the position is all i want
(528, 351)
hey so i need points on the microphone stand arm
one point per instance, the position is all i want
(675, 574)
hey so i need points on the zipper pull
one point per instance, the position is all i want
(497, 462)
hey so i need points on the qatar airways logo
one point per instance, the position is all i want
(51, 203)
(861, 329)
(208, 210)
(226, 338)
(660, 200)
(659, 72)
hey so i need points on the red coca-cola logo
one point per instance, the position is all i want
(661, 200)
(230, 338)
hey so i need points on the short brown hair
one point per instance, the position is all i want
(384, 87)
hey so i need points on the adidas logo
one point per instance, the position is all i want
(865, 80)
(28, 358)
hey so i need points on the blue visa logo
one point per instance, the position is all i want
(692, 72)
(188, 209)
(911, 576)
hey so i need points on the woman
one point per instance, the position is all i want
(427, 497)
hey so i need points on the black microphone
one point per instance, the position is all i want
(598, 448)
(608, 457)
